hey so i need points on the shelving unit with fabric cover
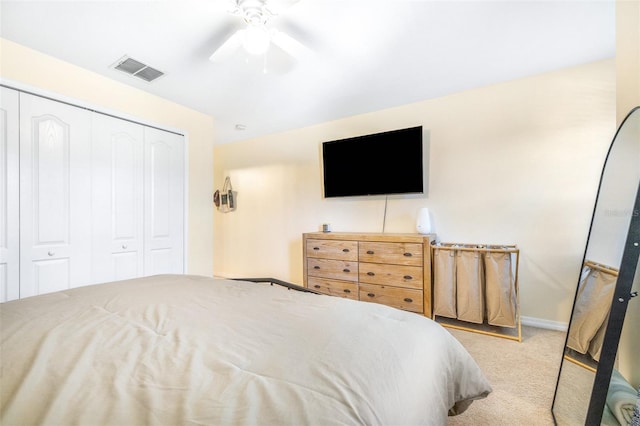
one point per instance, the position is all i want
(475, 288)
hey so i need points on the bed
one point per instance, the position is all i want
(193, 350)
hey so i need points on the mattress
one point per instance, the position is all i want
(192, 350)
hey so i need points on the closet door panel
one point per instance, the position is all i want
(126, 265)
(160, 185)
(9, 196)
(49, 274)
(117, 172)
(55, 196)
(164, 202)
(51, 155)
(161, 261)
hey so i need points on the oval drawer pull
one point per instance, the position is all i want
(316, 286)
(408, 255)
(345, 250)
(408, 277)
(369, 251)
(346, 270)
(370, 274)
(346, 290)
(316, 248)
(408, 299)
(51, 253)
(371, 295)
(316, 267)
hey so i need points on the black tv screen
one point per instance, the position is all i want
(378, 164)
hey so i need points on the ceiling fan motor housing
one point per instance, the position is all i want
(254, 12)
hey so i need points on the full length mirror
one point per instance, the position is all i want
(597, 382)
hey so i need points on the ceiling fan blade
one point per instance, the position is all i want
(289, 44)
(296, 30)
(276, 7)
(228, 48)
(279, 62)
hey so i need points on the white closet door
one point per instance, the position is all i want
(9, 196)
(163, 202)
(117, 177)
(55, 196)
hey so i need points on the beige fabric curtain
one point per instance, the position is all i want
(592, 305)
(469, 284)
(500, 289)
(444, 283)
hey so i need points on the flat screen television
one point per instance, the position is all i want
(377, 164)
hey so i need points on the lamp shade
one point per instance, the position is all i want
(423, 224)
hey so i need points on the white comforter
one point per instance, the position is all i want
(180, 350)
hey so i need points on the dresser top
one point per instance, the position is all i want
(372, 236)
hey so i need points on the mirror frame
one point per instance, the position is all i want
(622, 296)
(619, 304)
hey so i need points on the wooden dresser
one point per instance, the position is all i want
(392, 269)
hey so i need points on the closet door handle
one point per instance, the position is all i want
(408, 300)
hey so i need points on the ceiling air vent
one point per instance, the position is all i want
(137, 69)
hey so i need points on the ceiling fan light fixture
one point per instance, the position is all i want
(256, 39)
(257, 35)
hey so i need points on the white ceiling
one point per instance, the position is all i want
(366, 55)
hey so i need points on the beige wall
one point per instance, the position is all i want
(627, 56)
(26, 66)
(517, 162)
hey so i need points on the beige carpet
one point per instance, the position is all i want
(523, 376)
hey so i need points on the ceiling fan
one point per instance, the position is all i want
(256, 35)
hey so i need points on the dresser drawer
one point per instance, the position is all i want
(334, 269)
(332, 249)
(396, 253)
(348, 289)
(401, 298)
(393, 275)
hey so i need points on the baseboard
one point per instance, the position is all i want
(543, 323)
